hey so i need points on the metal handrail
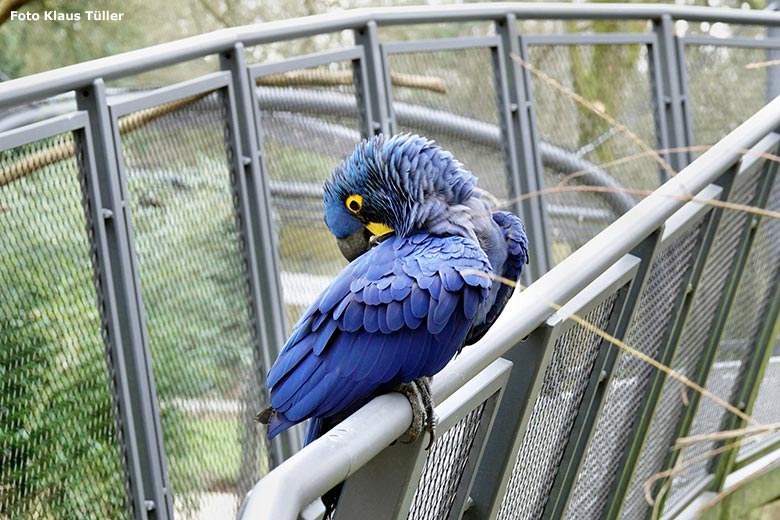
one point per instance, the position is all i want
(339, 453)
(81, 75)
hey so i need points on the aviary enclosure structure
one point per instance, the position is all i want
(156, 244)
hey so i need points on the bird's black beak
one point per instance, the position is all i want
(354, 245)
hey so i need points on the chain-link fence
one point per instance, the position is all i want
(553, 416)
(689, 357)
(563, 122)
(630, 384)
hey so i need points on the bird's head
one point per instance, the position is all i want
(400, 184)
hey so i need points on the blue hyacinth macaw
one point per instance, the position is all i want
(423, 244)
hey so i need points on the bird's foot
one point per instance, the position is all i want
(423, 415)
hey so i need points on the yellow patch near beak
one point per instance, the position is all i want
(377, 229)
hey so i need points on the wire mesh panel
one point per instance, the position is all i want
(451, 96)
(739, 337)
(766, 409)
(309, 122)
(716, 78)
(61, 453)
(632, 377)
(690, 350)
(444, 469)
(570, 127)
(555, 410)
(177, 166)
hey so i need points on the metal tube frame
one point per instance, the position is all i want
(679, 223)
(650, 41)
(595, 394)
(753, 370)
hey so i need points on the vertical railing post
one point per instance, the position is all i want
(377, 101)
(139, 413)
(671, 78)
(773, 73)
(525, 158)
(262, 255)
(514, 411)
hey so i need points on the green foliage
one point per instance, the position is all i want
(59, 454)
(60, 451)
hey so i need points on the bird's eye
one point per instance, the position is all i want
(354, 203)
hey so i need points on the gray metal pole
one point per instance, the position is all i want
(262, 255)
(526, 168)
(669, 81)
(378, 97)
(140, 416)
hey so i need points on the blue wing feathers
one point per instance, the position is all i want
(371, 318)
(419, 302)
(394, 314)
(410, 319)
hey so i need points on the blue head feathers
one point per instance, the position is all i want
(404, 183)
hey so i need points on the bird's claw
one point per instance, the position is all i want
(423, 415)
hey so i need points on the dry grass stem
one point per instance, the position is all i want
(600, 113)
(762, 64)
(629, 158)
(644, 193)
(682, 442)
(634, 352)
(680, 467)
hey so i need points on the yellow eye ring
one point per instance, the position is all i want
(354, 203)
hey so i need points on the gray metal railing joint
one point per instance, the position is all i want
(671, 96)
(377, 103)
